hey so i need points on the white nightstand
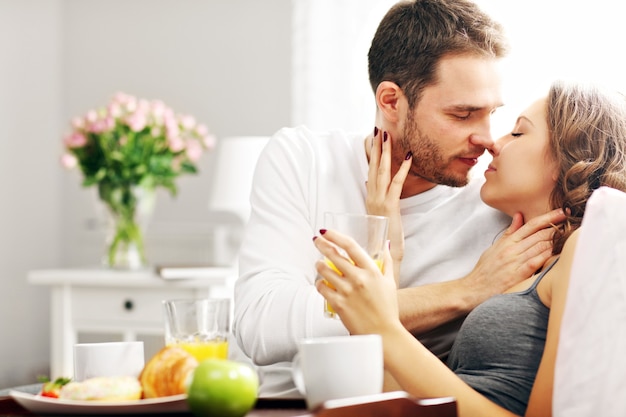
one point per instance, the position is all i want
(124, 303)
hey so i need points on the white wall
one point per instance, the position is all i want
(226, 62)
(30, 119)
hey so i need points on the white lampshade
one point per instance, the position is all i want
(236, 159)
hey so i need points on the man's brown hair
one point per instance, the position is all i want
(414, 35)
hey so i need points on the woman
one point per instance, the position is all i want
(502, 363)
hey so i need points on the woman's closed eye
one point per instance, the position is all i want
(516, 134)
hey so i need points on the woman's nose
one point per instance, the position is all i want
(495, 148)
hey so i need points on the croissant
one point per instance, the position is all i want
(167, 373)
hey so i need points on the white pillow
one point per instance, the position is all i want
(590, 371)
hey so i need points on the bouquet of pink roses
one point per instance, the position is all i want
(133, 144)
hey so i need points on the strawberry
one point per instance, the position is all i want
(52, 388)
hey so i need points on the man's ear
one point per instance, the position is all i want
(388, 96)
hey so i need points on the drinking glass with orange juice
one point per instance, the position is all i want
(367, 230)
(200, 326)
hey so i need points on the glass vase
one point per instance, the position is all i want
(129, 209)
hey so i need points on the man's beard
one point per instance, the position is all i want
(428, 160)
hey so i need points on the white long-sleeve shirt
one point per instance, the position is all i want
(299, 176)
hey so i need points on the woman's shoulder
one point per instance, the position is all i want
(557, 278)
(570, 244)
(567, 254)
(562, 269)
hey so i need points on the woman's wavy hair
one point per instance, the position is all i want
(588, 141)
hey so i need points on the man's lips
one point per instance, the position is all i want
(469, 161)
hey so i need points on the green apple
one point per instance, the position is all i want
(221, 387)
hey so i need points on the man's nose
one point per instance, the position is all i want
(482, 139)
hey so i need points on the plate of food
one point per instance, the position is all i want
(38, 404)
(160, 388)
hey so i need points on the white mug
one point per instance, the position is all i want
(329, 368)
(108, 359)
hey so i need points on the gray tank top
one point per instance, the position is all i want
(500, 344)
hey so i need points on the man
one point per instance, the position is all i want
(434, 70)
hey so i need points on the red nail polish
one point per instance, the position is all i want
(322, 231)
(375, 131)
(314, 237)
(384, 136)
(409, 155)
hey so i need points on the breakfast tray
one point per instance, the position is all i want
(391, 404)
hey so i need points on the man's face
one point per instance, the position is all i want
(449, 128)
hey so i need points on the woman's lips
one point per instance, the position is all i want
(490, 168)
